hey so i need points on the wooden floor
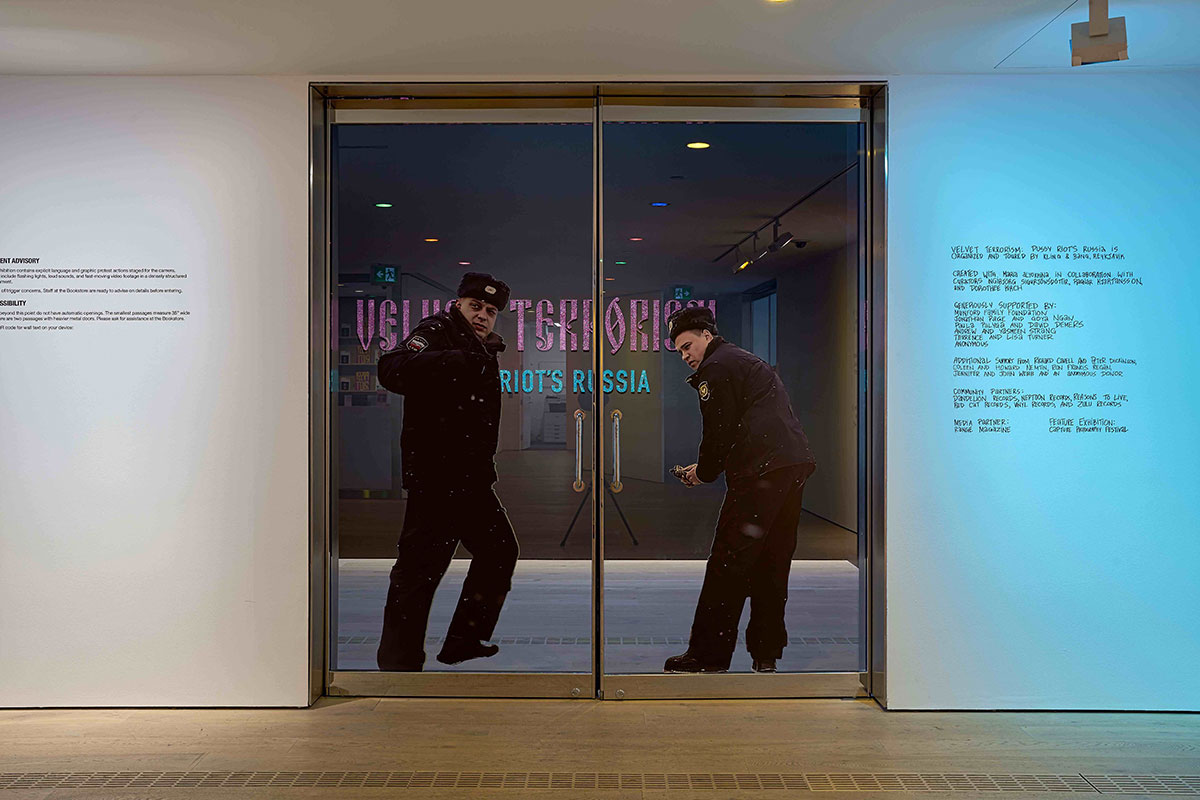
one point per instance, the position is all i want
(845, 737)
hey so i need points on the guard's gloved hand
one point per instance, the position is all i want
(493, 344)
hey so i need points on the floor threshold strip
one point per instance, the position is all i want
(804, 641)
(1177, 785)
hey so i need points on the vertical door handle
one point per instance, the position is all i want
(616, 481)
(578, 484)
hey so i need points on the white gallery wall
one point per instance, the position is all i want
(153, 475)
(1037, 568)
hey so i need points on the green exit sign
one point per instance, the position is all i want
(384, 273)
(682, 292)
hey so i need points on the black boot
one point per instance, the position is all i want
(687, 662)
(390, 662)
(458, 649)
(764, 665)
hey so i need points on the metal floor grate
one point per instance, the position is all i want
(803, 641)
(810, 782)
(1146, 784)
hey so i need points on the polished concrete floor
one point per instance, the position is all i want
(667, 519)
(546, 622)
(589, 749)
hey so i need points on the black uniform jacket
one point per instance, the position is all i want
(749, 427)
(451, 386)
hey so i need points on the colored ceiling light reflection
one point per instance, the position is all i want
(431, 240)
(383, 205)
(620, 263)
(699, 145)
(660, 204)
(610, 279)
(635, 239)
(464, 263)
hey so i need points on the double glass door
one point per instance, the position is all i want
(602, 216)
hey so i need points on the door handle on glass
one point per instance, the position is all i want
(616, 481)
(578, 484)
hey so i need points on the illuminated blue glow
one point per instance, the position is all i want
(1031, 570)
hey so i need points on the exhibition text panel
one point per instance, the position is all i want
(39, 296)
(1026, 352)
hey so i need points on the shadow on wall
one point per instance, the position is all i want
(818, 361)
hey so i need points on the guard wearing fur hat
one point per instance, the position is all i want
(750, 434)
(448, 372)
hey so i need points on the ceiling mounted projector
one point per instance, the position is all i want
(1099, 39)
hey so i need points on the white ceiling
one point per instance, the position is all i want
(610, 39)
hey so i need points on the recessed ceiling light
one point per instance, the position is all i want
(383, 205)
(610, 279)
(431, 240)
(620, 263)
(660, 204)
(635, 238)
(464, 263)
(698, 145)
(360, 291)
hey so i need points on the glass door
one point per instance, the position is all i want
(462, 255)
(743, 226)
(599, 390)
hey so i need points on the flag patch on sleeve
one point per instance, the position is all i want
(417, 344)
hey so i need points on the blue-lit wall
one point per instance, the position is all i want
(1030, 569)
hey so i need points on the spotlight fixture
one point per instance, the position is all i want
(636, 239)
(432, 240)
(660, 204)
(610, 279)
(383, 205)
(780, 241)
(464, 263)
(1100, 39)
(620, 263)
(698, 145)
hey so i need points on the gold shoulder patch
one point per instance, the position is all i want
(703, 389)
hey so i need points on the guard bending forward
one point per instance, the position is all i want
(449, 376)
(750, 434)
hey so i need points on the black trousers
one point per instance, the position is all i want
(434, 524)
(751, 557)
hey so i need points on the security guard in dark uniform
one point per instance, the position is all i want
(448, 373)
(750, 434)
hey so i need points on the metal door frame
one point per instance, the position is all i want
(871, 99)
